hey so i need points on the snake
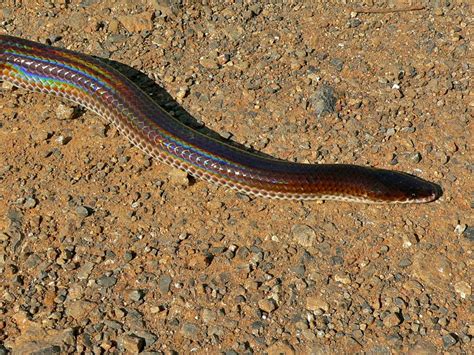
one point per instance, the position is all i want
(95, 85)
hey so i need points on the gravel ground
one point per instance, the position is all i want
(104, 250)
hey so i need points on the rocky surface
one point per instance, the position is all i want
(104, 250)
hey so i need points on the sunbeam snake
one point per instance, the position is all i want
(92, 83)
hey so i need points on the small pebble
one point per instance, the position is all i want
(164, 283)
(209, 63)
(107, 281)
(82, 211)
(354, 22)
(304, 235)
(208, 315)
(178, 178)
(136, 295)
(449, 340)
(132, 344)
(190, 330)
(405, 262)
(337, 63)
(138, 22)
(62, 140)
(267, 305)
(30, 202)
(463, 288)
(392, 320)
(128, 256)
(469, 233)
(416, 157)
(64, 112)
(7, 86)
(314, 303)
(324, 100)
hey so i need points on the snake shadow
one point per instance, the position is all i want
(166, 101)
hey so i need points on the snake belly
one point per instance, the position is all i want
(95, 85)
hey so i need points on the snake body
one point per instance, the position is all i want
(92, 83)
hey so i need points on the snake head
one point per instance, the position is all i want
(400, 187)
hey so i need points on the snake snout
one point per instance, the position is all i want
(406, 188)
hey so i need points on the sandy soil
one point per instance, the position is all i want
(104, 250)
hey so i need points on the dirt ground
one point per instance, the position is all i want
(104, 250)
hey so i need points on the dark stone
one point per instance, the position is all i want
(469, 233)
(107, 281)
(324, 100)
(449, 340)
